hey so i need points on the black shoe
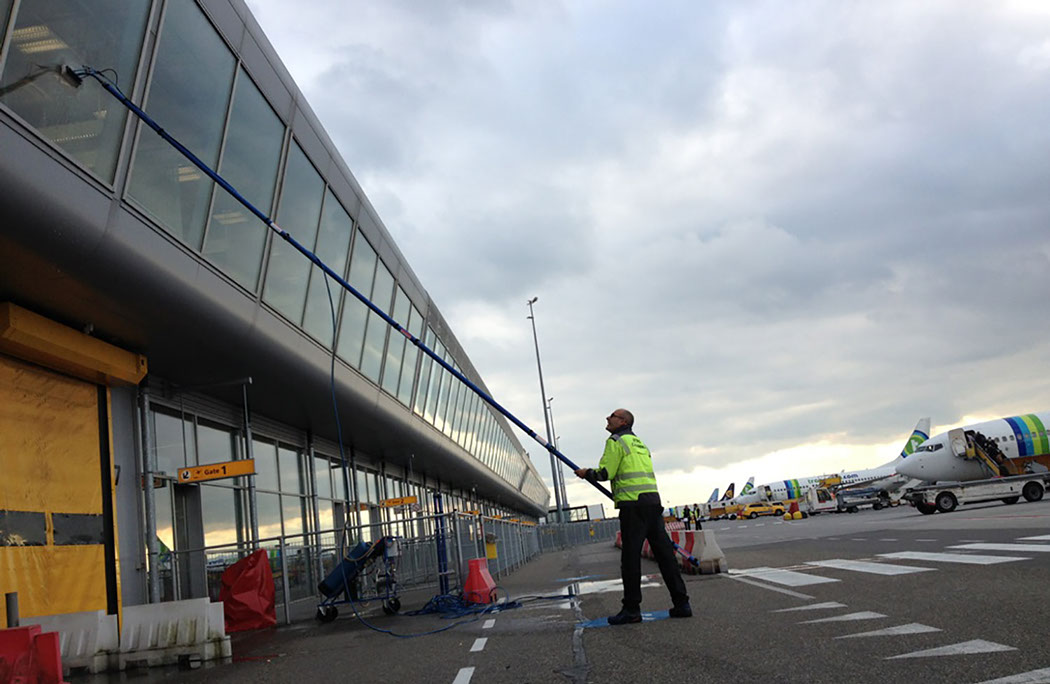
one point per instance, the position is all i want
(682, 611)
(624, 617)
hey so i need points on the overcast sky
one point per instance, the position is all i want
(779, 233)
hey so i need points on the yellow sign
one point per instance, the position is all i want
(217, 471)
(400, 501)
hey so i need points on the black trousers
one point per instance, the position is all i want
(637, 524)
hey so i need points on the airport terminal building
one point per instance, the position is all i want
(149, 322)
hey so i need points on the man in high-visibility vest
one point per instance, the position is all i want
(627, 464)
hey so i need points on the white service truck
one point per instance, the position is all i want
(946, 496)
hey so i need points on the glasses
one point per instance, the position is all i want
(616, 417)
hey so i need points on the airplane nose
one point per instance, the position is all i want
(913, 467)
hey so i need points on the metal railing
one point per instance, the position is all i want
(300, 561)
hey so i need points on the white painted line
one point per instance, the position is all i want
(479, 644)
(859, 539)
(970, 558)
(890, 539)
(488, 624)
(1042, 537)
(1021, 548)
(788, 578)
(812, 606)
(910, 628)
(464, 675)
(763, 585)
(966, 541)
(964, 648)
(848, 617)
(1033, 677)
(925, 540)
(872, 568)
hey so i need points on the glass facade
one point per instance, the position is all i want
(189, 92)
(195, 86)
(85, 122)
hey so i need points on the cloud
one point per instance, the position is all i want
(780, 235)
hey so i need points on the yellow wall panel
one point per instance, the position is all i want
(53, 579)
(50, 448)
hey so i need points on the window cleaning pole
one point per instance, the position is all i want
(79, 74)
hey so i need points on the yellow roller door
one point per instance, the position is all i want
(51, 500)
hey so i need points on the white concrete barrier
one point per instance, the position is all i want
(700, 544)
(162, 633)
(87, 640)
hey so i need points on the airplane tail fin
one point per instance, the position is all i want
(920, 434)
(729, 492)
(749, 486)
(714, 496)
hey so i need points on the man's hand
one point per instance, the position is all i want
(582, 472)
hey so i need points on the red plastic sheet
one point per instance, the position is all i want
(247, 594)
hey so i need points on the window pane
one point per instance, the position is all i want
(172, 438)
(252, 152)
(333, 247)
(188, 97)
(289, 465)
(355, 313)
(294, 518)
(436, 381)
(376, 330)
(87, 122)
(219, 512)
(300, 211)
(265, 465)
(268, 507)
(396, 347)
(323, 477)
(215, 444)
(425, 375)
(326, 520)
(409, 357)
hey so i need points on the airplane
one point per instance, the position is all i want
(884, 476)
(714, 496)
(729, 492)
(748, 486)
(1022, 439)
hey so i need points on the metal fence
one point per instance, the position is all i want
(299, 562)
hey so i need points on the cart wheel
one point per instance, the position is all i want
(327, 613)
(392, 606)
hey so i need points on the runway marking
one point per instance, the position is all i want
(1042, 537)
(488, 624)
(813, 606)
(972, 559)
(910, 628)
(975, 541)
(859, 539)
(848, 617)
(772, 588)
(888, 539)
(871, 568)
(964, 648)
(479, 644)
(788, 578)
(1004, 547)
(1033, 677)
(925, 540)
(464, 675)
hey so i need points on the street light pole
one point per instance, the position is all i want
(557, 445)
(555, 473)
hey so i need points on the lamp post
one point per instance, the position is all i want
(555, 473)
(557, 445)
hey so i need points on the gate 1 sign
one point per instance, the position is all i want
(217, 471)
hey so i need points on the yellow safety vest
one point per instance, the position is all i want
(629, 466)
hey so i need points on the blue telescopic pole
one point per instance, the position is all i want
(137, 111)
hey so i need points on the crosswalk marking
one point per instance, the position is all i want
(479, 644)
(969, 558)
(812, 606)
(464, 675)
(964, 648)
(873, 568)
(1022, 548)
(900, 630)
(787, 578)
(1033, 677)
(488, 624)
(848, 617)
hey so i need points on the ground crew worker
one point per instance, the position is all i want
(628, 466)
